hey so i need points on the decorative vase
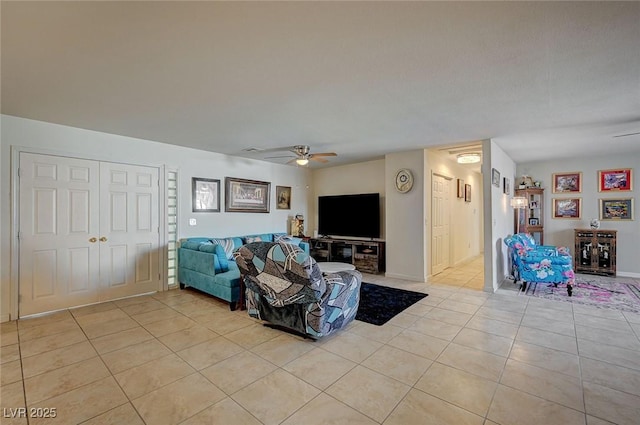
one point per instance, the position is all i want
(595, 223)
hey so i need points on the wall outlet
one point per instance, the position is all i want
(192, 222)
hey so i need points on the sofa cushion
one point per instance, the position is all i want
(221, 263)
(230, 278)
(198, 261)
(227, 245)
(194, 245)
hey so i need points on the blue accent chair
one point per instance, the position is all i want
(540, 263)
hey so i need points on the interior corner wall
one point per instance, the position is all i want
(43, 137)
(499, 217)
(466, 217)
(361, 177)
(560, 232)
(405, 218)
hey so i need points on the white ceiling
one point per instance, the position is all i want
(542, 79)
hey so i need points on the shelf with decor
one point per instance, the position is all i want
(531, 218)
(366, 256)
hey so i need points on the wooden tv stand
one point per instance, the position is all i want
(366, 256)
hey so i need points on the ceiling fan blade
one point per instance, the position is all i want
(325, 154)
(628, 134)
(313, 158)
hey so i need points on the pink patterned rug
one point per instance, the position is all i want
(598, 291)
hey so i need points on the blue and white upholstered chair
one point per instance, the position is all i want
(285, 287)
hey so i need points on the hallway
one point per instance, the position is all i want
(469, 275)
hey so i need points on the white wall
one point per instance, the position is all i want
(5, 242)
(362, 177)
(190, 163)
(405, 218)
(466, 225)
(498, 215)
(560, 231)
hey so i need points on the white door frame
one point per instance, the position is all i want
(15, 215)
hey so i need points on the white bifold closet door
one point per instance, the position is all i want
(89, 232)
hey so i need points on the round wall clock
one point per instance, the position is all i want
(404, 180)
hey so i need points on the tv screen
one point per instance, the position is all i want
(349, 215)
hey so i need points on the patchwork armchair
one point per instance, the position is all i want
(540, 263)
(285, 287)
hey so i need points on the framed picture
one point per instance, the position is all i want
(205, 194)
(495, 177)
(533, 221)
(567, 208)
(283, 197)
(506, 186)
(614, 180)
(467, 193)
(460, 188)
(616, 209)
(567, 182)
(246, 195)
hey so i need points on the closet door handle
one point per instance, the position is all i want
(93, 240)
(103, 239)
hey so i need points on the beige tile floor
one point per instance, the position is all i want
(460, 356)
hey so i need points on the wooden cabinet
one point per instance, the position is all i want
(595, 251)
(367, 256)
(531, 219)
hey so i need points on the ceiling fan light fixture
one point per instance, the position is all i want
(302, 161)
(468, 158)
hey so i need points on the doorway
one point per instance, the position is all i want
(440, 223)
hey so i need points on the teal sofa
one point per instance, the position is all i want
(207, 263)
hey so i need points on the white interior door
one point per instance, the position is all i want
(59, 252)
(129, 230)
(89, 232)
(440, 214)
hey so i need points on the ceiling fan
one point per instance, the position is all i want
(304, 155)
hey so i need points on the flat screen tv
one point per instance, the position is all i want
(349, 215)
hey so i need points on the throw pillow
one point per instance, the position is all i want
(250, 239)
(227, 245)
(221, 256)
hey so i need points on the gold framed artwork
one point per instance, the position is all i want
(619, 180)
(616, 209)
(283, 197)
(567, 182)
(570, 208)
(460, 188)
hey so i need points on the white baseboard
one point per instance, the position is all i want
(405, 277)
(628, 274)
(4, 318)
